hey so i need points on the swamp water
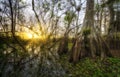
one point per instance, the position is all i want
(38, 61)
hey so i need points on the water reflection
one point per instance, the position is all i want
(40, 61)
(33, 48)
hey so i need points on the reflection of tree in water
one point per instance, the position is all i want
(40, 62)
(47, 62)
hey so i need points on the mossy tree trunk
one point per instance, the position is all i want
(78, 48)
(90, 43)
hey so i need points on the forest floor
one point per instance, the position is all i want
(109, 67)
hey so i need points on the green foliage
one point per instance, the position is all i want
(97, 7)
(70, 45)
(69, 16)
(86, 31)
(109, 2)
(92, 68)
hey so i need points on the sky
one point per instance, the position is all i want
(29, 12)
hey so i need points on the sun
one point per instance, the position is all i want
(34, 33)
(31, 35)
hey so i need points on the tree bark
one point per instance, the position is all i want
(89, 23)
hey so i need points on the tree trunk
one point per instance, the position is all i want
(63, 46)
(89, 23)
(111, 21)
(79, 48)
(75, 51)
